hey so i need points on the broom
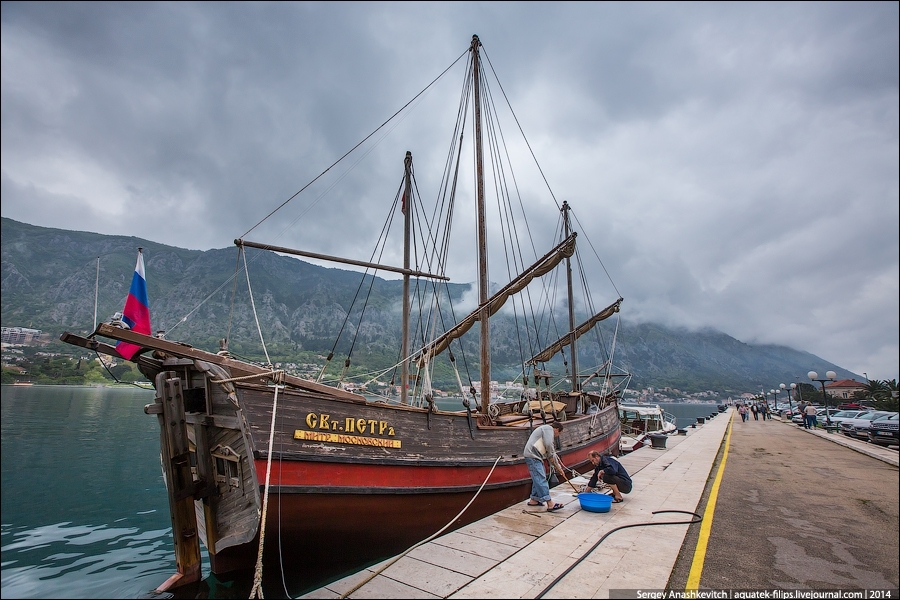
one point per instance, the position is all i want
(562, 471)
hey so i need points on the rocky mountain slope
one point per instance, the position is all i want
(49, 278)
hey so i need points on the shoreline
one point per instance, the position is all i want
(81, 385)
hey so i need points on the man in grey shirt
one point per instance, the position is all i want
(541, 446)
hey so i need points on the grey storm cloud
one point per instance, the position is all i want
(736, 164)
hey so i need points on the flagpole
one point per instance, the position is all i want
(96, 293)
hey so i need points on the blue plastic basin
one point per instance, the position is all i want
(595, 502)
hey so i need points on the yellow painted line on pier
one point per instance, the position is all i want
(693, 581)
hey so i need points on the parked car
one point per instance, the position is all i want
(784, 409)
(787, 412)
(820, 416)
(885, 431)
(832, 414)
(858, 428)
(842, 415)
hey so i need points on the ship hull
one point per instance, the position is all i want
(407, 475)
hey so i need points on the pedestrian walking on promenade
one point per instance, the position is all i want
(811, 417)
(801, 410)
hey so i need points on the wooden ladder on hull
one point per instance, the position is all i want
(175, 448)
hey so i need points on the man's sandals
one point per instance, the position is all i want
(553, 508)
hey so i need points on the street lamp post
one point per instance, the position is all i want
(775, 397)
(793, 387)
(784, 388)
(813, 376)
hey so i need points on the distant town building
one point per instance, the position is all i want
(19, 335)
(844, 388)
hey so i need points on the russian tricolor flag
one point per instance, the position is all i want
(137, 308)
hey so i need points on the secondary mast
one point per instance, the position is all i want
(407, 210)
(576, 384)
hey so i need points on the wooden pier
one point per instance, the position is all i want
(519, 552)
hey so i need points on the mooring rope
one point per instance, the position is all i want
(426, 540)
(257, 591)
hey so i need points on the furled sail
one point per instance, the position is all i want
(565, 340)
(547, 263)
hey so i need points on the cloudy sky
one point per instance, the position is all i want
(737, 164)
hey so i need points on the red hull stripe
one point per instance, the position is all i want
(321, 474)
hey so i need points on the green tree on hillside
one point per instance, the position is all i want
(808, 392)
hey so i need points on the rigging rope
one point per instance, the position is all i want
(237, 268)
(201, 303)
(459, 382)
(253, 304)
(503, 92)
(596, 255)
(335, 163)
(276, 376)
(391, 118)
(113, 375)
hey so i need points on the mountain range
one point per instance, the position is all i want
(50, 278)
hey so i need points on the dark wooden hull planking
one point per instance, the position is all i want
(393, 475)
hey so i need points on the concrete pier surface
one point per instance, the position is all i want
(783, 508)
(799, 509)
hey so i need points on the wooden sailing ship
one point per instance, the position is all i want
(250, 453)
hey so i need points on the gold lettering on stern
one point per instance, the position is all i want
(344, 432)
(342, 438)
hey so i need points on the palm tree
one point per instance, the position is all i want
(881, 394)
(889, 394)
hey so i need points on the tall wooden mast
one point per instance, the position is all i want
(407, 210)
(483, 290)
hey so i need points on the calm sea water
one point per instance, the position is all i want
(85, 513)
(686, 413)
(84, 503)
